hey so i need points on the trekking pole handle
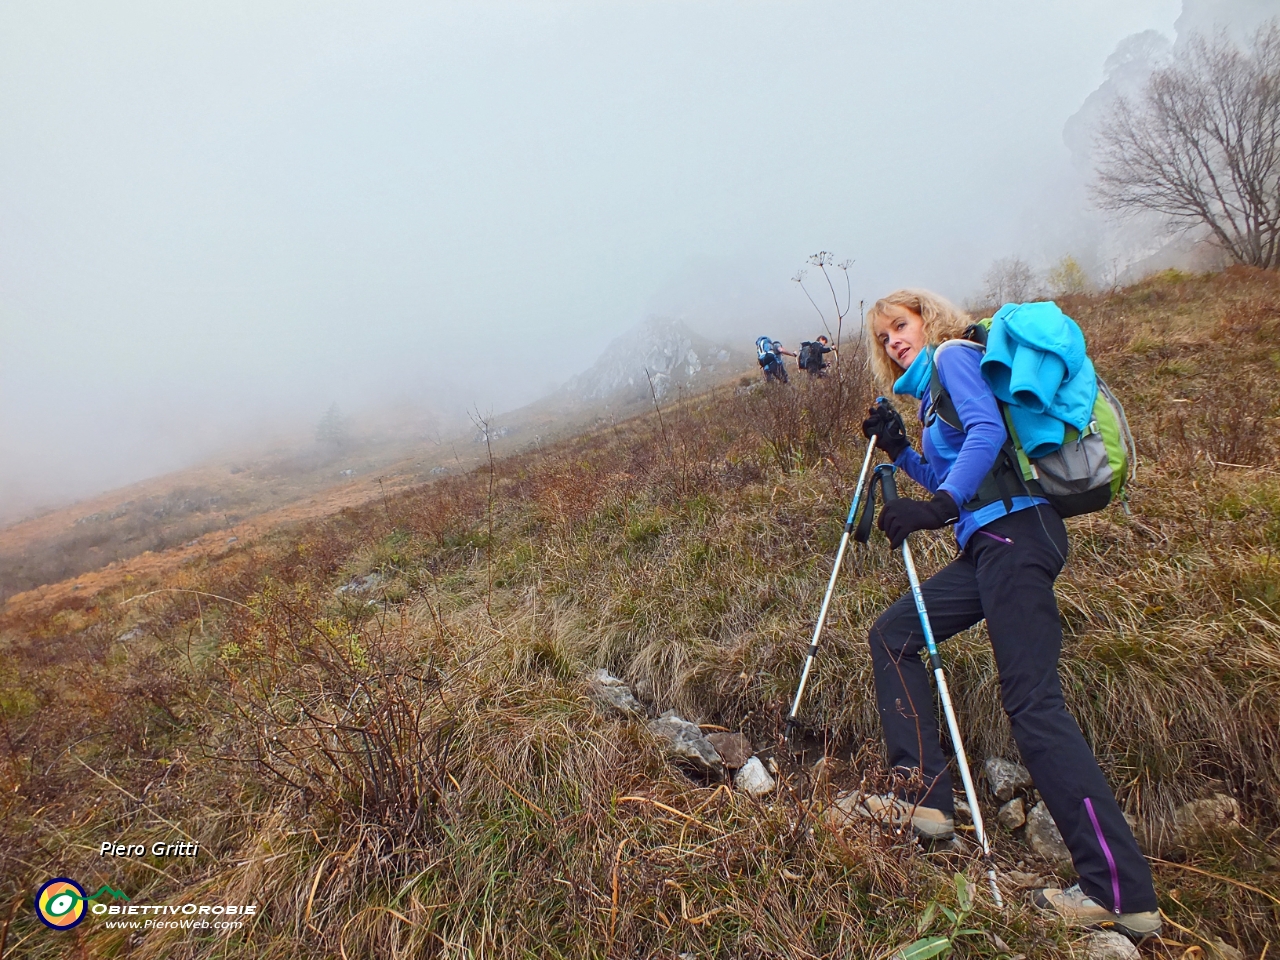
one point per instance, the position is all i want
(888, 482)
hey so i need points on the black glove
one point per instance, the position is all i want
(886, 424)
(901, 517)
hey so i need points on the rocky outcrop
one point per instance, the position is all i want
(672, 354)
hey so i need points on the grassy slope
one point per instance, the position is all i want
(424, 774)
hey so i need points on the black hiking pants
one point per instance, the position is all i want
(1010, 584)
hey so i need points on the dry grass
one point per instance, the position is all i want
(423, 775)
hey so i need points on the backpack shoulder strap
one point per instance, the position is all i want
(941, 406)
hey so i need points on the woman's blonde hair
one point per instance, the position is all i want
(943, 320)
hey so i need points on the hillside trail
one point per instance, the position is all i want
(152, 565)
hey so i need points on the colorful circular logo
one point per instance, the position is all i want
(61, 903)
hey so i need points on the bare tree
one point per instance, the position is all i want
(1009, 280)
(1201, 147)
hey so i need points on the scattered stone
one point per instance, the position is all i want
(846, 806)
(1027, 881)
(612, 693)
(963, 809)
(359, 586)
(1006, 777)
(137, 633)
(1221, 950)
(686, 742)
(1109, 945)
(1045, 838)
(643, 688)
(753, 779)
(1013, 814)
(232, 539)
(1218, 812)
(734, 748)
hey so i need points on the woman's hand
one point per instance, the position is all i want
(886, 424)
(901, 517)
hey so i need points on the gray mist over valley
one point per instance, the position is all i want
(218, 221)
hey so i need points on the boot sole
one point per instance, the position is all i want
(1137, 936)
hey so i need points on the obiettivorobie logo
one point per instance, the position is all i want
(62, 904)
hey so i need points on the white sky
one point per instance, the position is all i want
(216, 219)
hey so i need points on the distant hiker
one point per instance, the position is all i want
(1012, 549)
(770, 353)
(811, 356)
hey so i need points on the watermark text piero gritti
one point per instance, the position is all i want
(158, 849)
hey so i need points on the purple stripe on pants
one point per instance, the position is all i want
(1106, 852)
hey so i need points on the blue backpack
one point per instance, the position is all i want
(764, 351)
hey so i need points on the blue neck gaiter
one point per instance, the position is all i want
(915, 379)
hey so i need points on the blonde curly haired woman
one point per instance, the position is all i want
(1012, 548)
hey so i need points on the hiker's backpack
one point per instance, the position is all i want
(1083, 475)
(807, 355)
(764, 349)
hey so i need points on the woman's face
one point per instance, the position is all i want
(901, 332)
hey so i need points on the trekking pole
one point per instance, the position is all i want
(889, 487)
(831, 585)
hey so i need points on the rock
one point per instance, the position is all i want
(1109, 945)
(753, 779)
(962, 808)
(1218, 812)
(734, 749)
(643, 689)
(1044, 837)
(137, 633)
(359, 586)
(1221, 950)
(1013, 814)
(1006, 777)
(1026, 881)
(613, 694)
(686, 742)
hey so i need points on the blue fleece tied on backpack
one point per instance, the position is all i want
(915, 379)
(1035, 362)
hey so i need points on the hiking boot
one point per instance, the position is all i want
(927, 822)
(1080, 910)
